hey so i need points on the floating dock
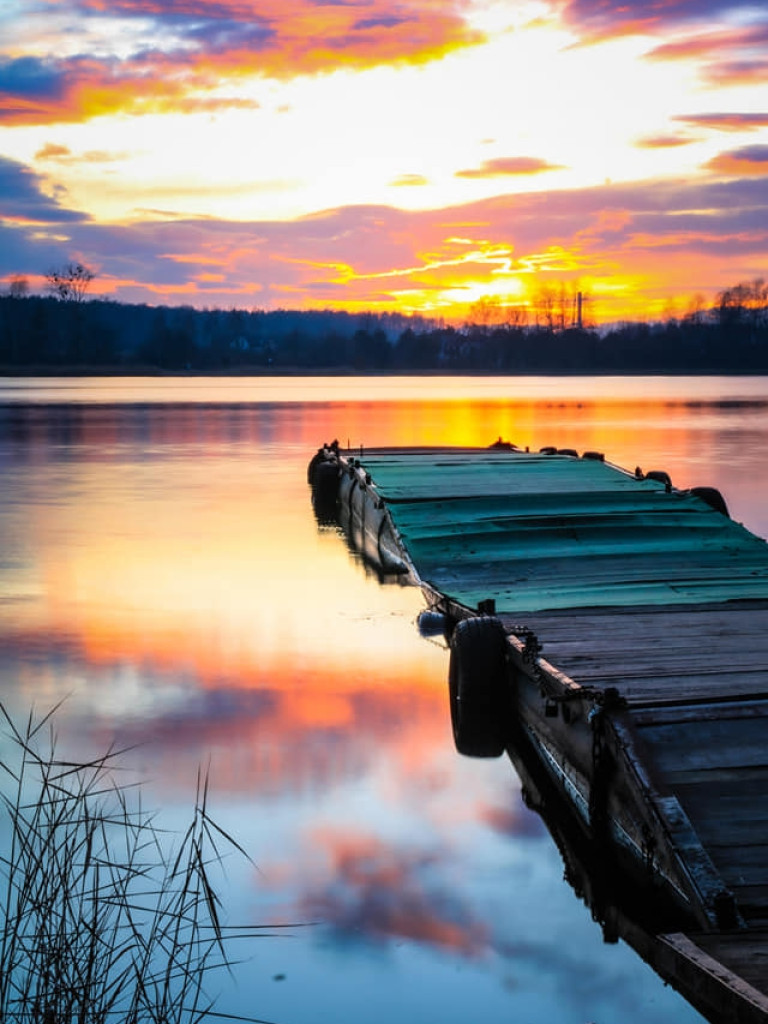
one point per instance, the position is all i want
(610, 633)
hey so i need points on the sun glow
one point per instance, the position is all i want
(569, 140)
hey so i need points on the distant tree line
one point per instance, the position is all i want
(63, 332)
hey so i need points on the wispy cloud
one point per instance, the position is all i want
(502, 167)
(663, 141)
(602, 19)
(53, 153)
(725, 55)
(726, 121)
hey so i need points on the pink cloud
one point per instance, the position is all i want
(727, 56)
(628, 241)
(663, 141)
(501, 167)
(388, 893)
(726, 122)
(595, 20)
(748, 160)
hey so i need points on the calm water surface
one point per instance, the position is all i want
(162, 569)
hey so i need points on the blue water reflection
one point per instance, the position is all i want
(162, 571)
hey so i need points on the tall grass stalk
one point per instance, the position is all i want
(102, 924)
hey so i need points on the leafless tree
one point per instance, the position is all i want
(553, 307)
(516, 316)
(70, 283)
(746, 302)
(485, 312)
(696, 312)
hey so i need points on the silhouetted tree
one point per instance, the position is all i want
(485, 312)
(70, 283)
(745, 303)
(19, 287)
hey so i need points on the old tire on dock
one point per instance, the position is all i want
(713, 498)
(314, 462)
(477, 678)
(325, 488)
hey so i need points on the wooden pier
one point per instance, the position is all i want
(610, 632)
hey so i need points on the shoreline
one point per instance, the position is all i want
(43, 372)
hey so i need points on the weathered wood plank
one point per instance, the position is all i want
(738, 708)
(687, 654)
(718, 821)
(746, 860)
(652, 593)
(664, 625)
(753, 902)
(665, 660)
(710, 776)
(746, 955)
(695, 688)
(716, 965)
(748, 798)
(709, 744)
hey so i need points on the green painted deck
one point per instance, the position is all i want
(542, 532)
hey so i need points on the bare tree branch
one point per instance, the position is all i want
(70, 283)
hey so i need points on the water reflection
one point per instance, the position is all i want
(162, 569)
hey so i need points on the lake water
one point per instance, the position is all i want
(161, 568)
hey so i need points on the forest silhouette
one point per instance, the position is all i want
(51, 334)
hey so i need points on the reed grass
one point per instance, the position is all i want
(101, 923)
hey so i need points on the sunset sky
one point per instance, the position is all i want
(387, 155)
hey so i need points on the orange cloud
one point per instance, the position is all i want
(196, 51)
(663, 141)
(726, 122)
(506, 166)
(749, 160)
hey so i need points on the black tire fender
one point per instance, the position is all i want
(477, 683)
(325, 486)
(316, 459)
(712, 497)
